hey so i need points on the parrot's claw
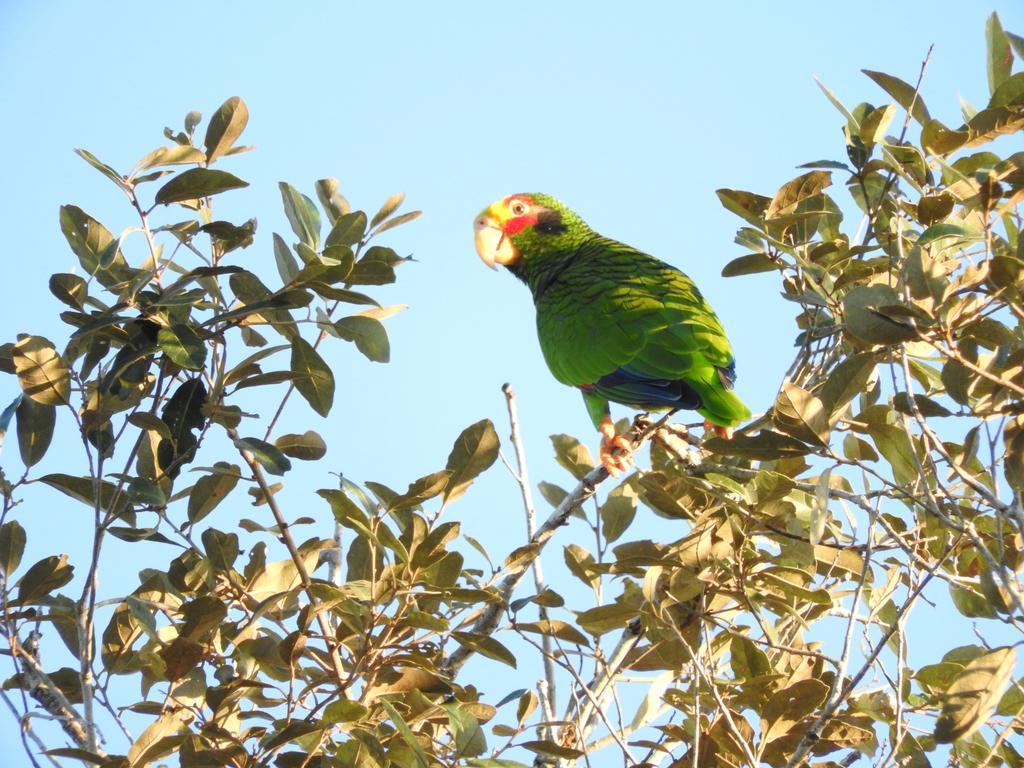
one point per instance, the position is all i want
(616, 451)
(717, 429)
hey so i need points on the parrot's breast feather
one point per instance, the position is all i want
(614, 307)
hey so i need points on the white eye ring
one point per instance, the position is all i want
(518, 208)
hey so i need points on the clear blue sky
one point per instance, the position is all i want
(632, 113)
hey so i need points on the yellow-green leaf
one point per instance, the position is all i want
(973, 696)
(315, 380)
(474, 451)
(225, 127)
(42, 374)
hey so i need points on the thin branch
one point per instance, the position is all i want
(813, 734)
(523, 479)
(489, 617)
(52, 699)
(289, 542)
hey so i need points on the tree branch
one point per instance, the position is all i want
(487, 621)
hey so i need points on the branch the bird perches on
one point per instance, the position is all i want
(487, 622)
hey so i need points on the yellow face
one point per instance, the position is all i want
(494, 227)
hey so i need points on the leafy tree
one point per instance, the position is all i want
(885, 479)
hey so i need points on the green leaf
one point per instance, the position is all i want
(77, 754)
(333, 202)
(183, 414)
(302, 215)
(747, 660)
(847, 380)
(42, 578)
(818, 516)
(787, 707)
(474, 451)
(348, 229)
(12, 547)
(181, 344)
(206, 612)
(750, 264)
(1010, 93)
(973, 696)
(551, 749)
(315, 382)
(943, 230)
(398, 221)
(604, 618)
(487, 646)
(406, 733)
(925, 405)
(572, 455)
(555, 628)
(210, 490)
(196, 183)
(421, 490)
(369, 336)
(308, 446)
(876, 123)
(553, 494)
(937, 138)
(800, 188)
(746, 205)
(827, 165)
(971, 603)
(84, 490)
(763, 446)
(181, 154)
(70, 289)
(580, 563)
(376, 267)
(894, 444)
(1013, 440)
(865, 320)
(227, 236)
(1000, 57)
(41, 372)
(269, 456)
(103, 168)
(156, 742)
(389, 207)
(836, 102)
(344, 711)
(469, 736)
(903, 93)
(145, 492)
(343, 294)
(287, 267)
(225, 127)
(799, 413)
(90, 242)
(35, 429)
(618, 510)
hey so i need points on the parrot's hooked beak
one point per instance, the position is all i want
(492, 244)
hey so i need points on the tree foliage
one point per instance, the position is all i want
(768, 627)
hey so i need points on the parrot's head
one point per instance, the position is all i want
(525, 226)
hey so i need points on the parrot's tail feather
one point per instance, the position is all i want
(723, 407)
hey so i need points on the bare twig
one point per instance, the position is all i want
(50, 697)
(523, 479)
(487, 622)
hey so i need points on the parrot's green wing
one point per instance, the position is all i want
(624, 326)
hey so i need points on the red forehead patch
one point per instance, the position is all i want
(519, 223)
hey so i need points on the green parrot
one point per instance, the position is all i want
(615, 323)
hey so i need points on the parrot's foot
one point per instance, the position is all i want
(616, 452)
(717, 429)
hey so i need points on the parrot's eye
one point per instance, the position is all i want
(518, 208)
